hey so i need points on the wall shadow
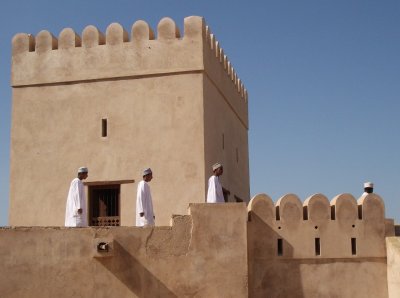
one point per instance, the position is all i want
(134, 275)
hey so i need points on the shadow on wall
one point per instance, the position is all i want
(140, 281)
(265, 272)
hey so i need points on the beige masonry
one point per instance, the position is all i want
(217, 250)
(393, 265)
(200, 255)
(319, 248)
(173, 103)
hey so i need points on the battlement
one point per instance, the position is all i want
(44, 59)
(220, 56)
(116, 34)
(115, 54)
(341, 228)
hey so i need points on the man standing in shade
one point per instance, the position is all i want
(75, 213)
(144, 202)
(215, 193)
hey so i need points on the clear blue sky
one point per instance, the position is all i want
(323, 80)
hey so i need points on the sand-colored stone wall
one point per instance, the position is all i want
(226, 121)
(44, 59)
(57, 129)
(226, 141)
(201, 255)
(218, 250)
(348, 259)
(162, 97)
(393, 266)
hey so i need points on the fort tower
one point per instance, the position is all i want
(119, 102)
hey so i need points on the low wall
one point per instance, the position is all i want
(203, 254)
(218, 250)
(318, 248)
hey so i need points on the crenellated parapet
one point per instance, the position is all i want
(119, 54)
(220, 69)
(45, 59)
(342, 228)
(216, 50)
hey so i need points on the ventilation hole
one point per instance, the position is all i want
(280, 247)
(103, 127)
(279, 228)
(353, 246)
(316, 227)
(317, 247)
(353, 226)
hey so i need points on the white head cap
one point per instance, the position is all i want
(216, 166)
(147, 171)
(368, 184)
(83, 170)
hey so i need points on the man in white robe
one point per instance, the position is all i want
(144, 202)
(75, 213)
(215, 193)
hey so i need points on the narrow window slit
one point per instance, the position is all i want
(280, 247)
(223, 141)
(333, 212)
(305, 213)
(317, 247)
(277, 214)
(353, 246)
(359, 211)
(103, 127)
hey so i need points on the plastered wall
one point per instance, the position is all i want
(217, 250)
(393, 266)
(226, 141)
(175, 103)
(57, 129)
(201, 255)
(226, 121)
(160, 94)
(285, 260)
